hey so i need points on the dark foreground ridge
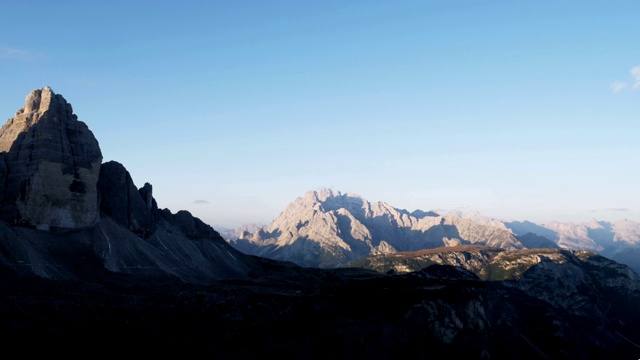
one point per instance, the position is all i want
(293, 313)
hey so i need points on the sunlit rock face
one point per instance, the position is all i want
(327, 228)
(50, 166)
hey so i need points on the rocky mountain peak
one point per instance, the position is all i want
(50, 165)
(38, 104)
(321, 195)
(41, 100)
(327, 228)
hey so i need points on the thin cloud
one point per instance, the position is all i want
(618, 209)
(635, 72)
(611, 210)
(201, 202)
(618, 85)
(19, 54)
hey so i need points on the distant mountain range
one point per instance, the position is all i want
(328, 228)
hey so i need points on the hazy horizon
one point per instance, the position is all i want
(613, 215)
(522, 110)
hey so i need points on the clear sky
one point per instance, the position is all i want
(233, 109)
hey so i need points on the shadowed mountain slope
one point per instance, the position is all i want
(617, 240)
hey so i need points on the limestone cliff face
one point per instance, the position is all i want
(50, 166)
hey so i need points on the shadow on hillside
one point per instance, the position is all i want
(520, 228)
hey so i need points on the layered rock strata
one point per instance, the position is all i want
(50, 163)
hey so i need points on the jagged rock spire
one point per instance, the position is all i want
(51, 162)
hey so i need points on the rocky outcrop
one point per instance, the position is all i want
(51, 163)
(123, 202)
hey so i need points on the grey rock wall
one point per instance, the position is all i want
(123, 202)
(50, 166)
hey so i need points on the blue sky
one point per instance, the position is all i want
(232, 109)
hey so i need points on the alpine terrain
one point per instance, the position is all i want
(327, 228)
(90, 264)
